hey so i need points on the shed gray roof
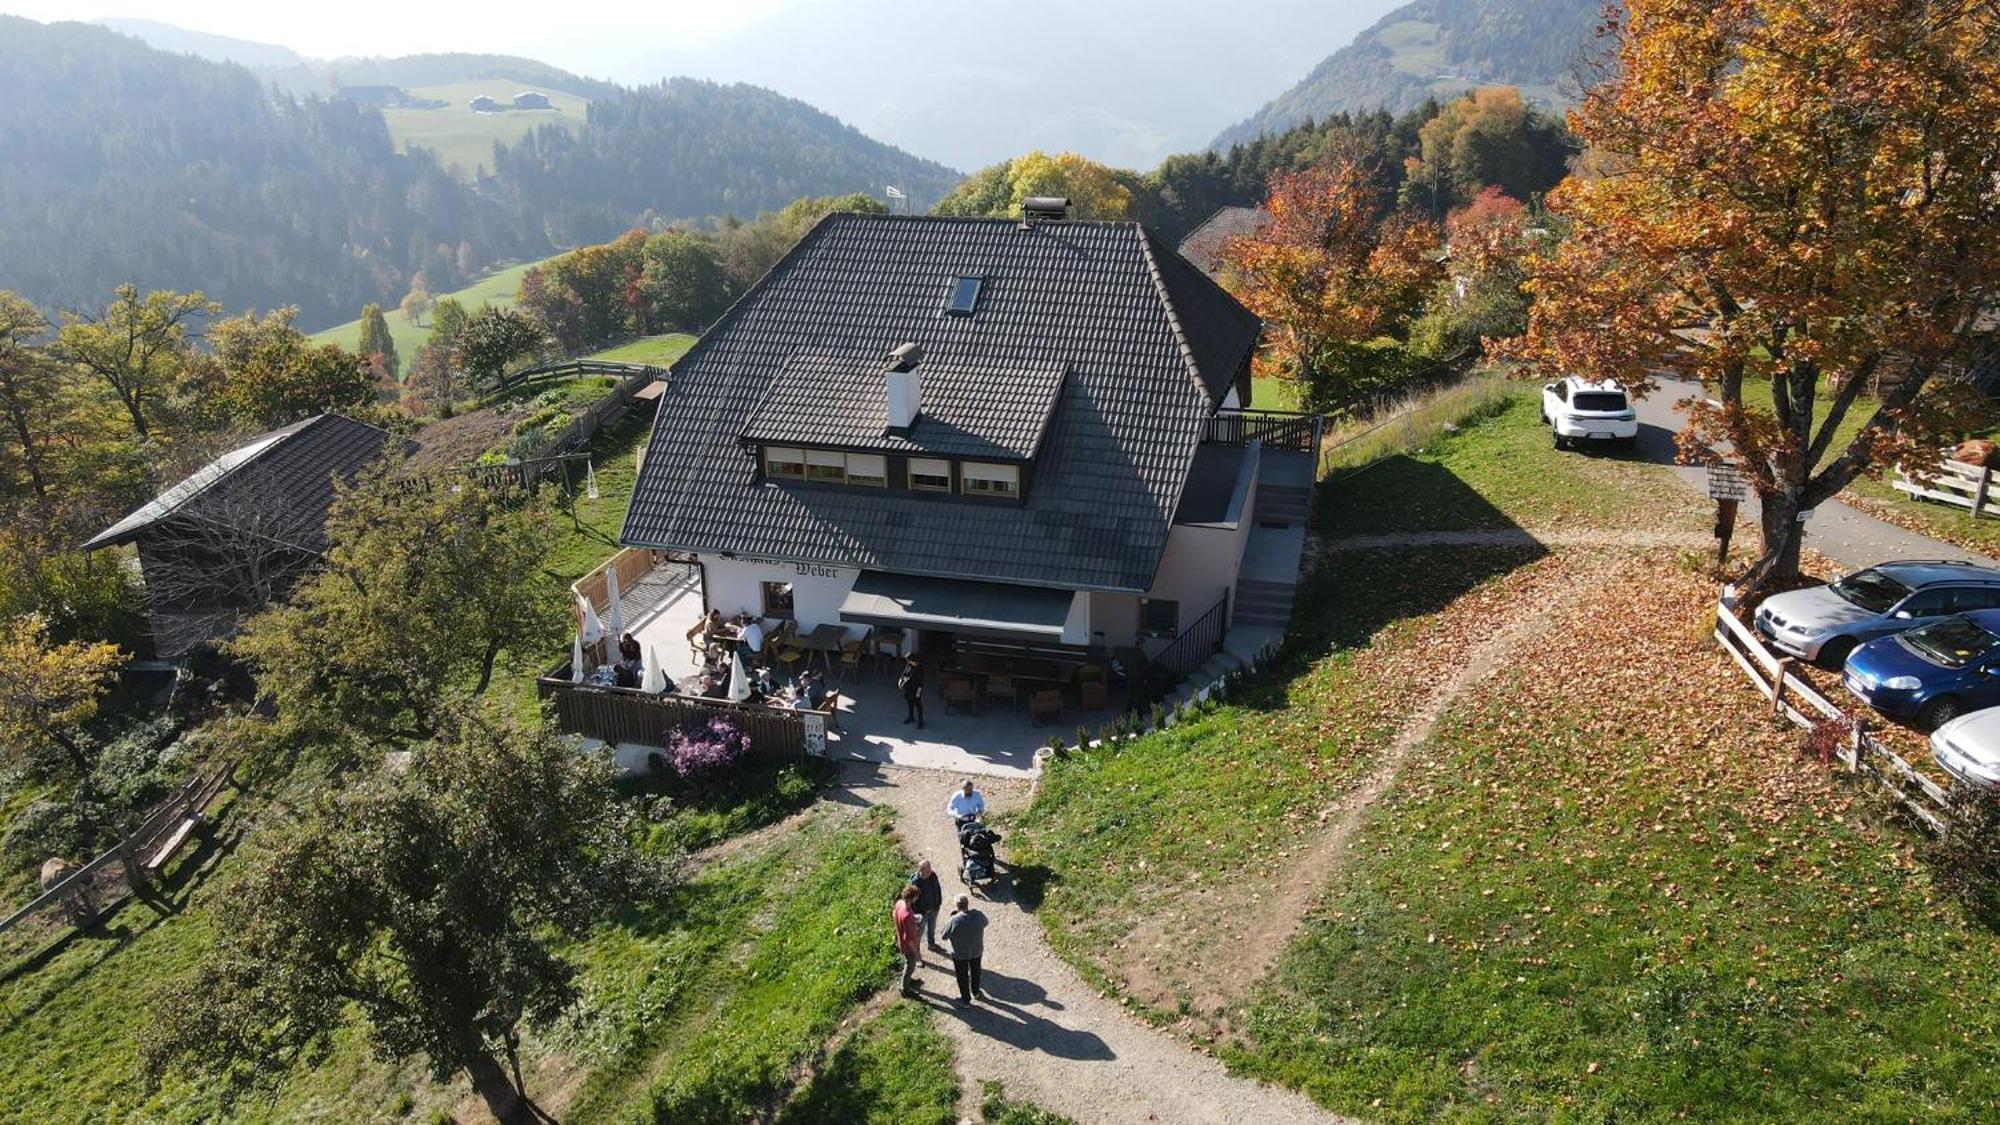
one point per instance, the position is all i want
(1145, 346)
(1203, 245)
(291, 469)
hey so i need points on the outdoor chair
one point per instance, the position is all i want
(1003, 687)
(850, 659)
(788, 655)
(1095, 696)
(831, 705)
(959, 692)
(1045, 704)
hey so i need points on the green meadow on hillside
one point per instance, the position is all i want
(498, 289)
(464, 139)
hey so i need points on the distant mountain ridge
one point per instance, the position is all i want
(1437, 48)
(206, 45)
(130, 163)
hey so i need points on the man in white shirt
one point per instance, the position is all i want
(966, 804)
(753, 636)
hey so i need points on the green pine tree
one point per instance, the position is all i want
(375, 338)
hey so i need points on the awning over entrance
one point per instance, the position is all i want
(985, 609)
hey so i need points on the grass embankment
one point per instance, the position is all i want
(462, 139)
(1503, 471)
(895, 1070)
(1637, 901)
(498, 288)
(661, 351)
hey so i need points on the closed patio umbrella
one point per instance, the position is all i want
(739, 680)
(591, 630)
(614, 616)
(576, 660)
(655, 680)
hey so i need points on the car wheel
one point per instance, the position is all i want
(1938, 712)
(1545, 416)
(1834, 653)
(1562, 442)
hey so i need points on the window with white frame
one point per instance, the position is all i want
(983, 478)
(930, 475)
(868, 469)
(826, 466)
(785, 464)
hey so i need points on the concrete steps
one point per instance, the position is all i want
(1287, 504)
(1263, 603)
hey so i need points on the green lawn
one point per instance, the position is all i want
(896, 1070)
(660, 351)
(1648, 908)
(498, 289)
(462, 139)
(1502, 470)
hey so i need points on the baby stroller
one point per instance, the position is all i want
(977, 865)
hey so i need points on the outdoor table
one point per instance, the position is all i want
(881, 640)
(825, 640)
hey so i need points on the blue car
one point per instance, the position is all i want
(1933, 673)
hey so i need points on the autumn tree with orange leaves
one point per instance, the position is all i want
(1794, 202)
(1331, 272)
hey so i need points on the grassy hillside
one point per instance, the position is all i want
(497, 288)
(462, 139)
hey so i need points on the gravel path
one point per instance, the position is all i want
(1046, 1033)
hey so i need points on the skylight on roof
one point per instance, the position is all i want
(964, 296)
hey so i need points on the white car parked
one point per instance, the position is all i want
(1968, 748)
(1580, 411)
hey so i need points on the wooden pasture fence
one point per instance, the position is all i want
(1956, 483)
(1795, 698)
(103, 882)
(628, 716)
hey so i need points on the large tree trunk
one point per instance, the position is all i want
(1778, 566)
(503, 1099)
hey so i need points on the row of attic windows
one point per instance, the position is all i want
(871, 470)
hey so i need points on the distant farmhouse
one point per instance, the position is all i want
(530, 99)
(237, 534)
(379, 96)
(484, 104)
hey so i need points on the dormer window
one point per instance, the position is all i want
(929, 475)
(964, 297)
(983, 478)
(785, 464)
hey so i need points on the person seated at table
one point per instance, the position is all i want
(712, 626)
(629, 651)
(752, 636)
(624, 675)
(812, 692)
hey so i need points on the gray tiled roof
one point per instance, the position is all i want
(1147, 344)
(969, 409)
(1203, 245)
(289, 473)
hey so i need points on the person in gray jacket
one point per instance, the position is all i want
(965, 933)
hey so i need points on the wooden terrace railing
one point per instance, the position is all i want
(628, 716)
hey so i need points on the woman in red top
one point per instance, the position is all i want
(906, 936)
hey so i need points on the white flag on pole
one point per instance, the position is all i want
(896, 192)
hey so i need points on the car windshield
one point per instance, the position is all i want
(1953, 642)
(1871, 590)
(1599, 400)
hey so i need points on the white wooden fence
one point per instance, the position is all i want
(1795, 698)
(1955, 483)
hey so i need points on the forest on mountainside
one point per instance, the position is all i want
(127, 163)
(1440, 48)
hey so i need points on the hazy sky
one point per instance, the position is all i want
(589, 36)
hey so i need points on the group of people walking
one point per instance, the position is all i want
(963, 931)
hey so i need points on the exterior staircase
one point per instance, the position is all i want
(1263, 603)
(1283, 505)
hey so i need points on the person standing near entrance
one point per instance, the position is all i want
(965, 932)
(911, 683)
(906, 936)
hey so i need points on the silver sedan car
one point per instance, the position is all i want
(1824, 623)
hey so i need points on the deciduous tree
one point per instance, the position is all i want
(1794, 202)
(264, 373)
(492, 340)
(137, 347)
(1488, 138)
(417, 302)
(424, 904)
(47, 690)
(423, 589)
(683, 285)
(1332, 271)
(1095, 191)
(376, 340)
(31, 391)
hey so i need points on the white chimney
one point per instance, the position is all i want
(904, 387)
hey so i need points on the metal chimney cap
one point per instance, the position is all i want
(905, 357)
(1045, 207)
